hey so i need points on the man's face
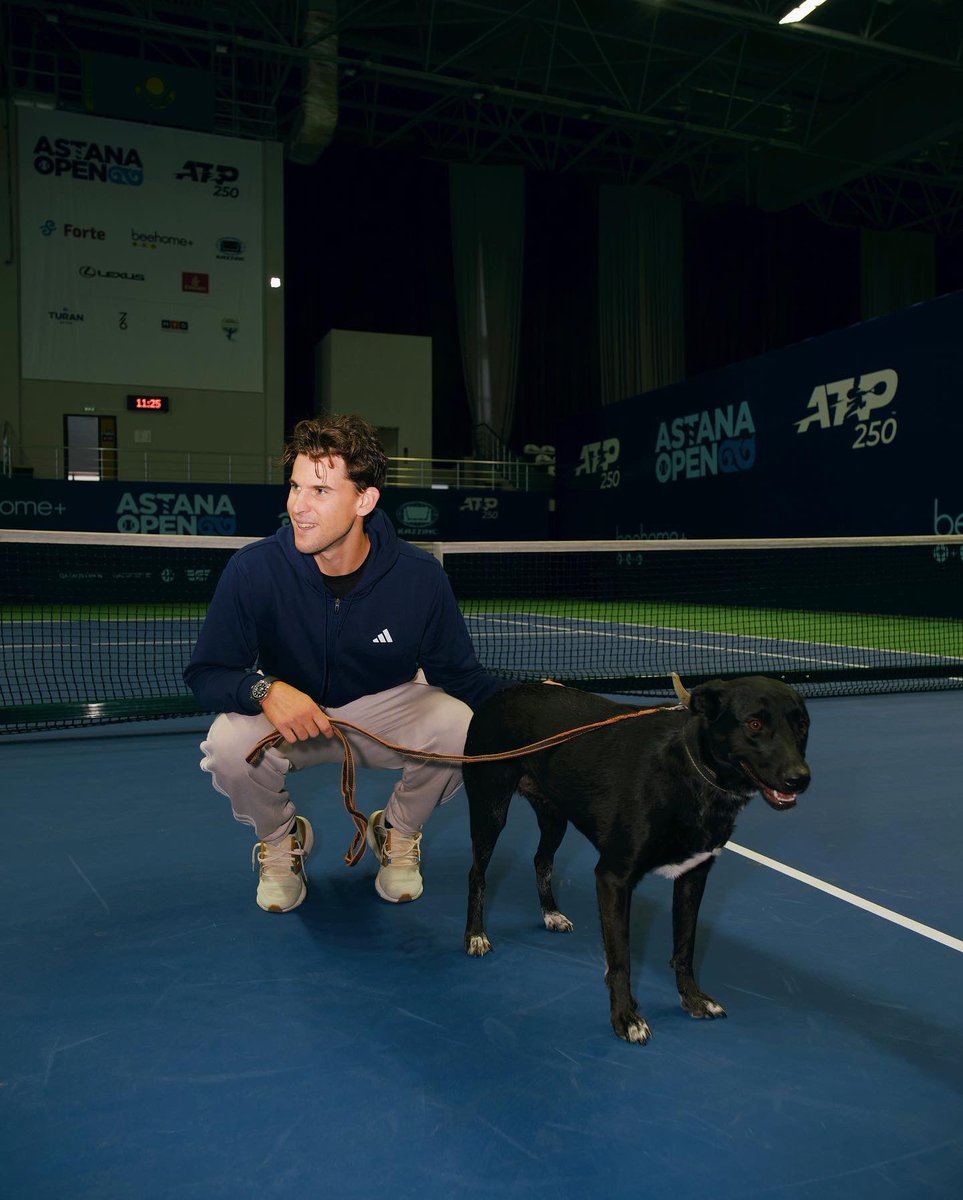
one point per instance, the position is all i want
(324, 505)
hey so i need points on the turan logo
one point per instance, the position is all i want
(89, 162)
(856, 404)
(416, 516)
(175, 512)
(716, 441)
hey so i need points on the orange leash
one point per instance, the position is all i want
(348, 773)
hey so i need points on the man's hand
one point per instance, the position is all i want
(295, 714)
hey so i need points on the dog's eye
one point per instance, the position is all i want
(754, 725)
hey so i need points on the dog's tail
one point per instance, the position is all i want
(681, 694)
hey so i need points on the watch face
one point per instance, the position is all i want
(260, 689)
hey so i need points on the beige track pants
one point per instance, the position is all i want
(414, 715)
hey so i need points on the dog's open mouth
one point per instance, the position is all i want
(778, 800)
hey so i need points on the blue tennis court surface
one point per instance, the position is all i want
(162, 1036)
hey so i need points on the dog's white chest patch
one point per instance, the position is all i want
(674, 870)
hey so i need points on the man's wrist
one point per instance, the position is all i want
(261, 687)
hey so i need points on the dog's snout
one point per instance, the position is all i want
(798, 781)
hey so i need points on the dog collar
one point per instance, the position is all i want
(704, 772)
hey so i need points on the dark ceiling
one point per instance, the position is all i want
(856, 113)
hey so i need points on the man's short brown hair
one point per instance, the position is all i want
(351, 438)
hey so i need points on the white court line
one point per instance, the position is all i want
(616, 633)
(877, 910)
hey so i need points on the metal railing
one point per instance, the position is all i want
(6, 450)
(189, 466)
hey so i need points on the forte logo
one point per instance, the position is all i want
(85, 233)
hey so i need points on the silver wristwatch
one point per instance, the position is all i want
(261, 688)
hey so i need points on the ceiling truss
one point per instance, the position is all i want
(857, 113)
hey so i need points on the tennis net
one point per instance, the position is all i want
(96, 628)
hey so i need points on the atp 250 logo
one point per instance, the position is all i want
(223, 177)
(857, 404)
(599, 459)
(485, 507)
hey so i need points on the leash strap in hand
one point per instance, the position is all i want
(359, 843)
(348, 774)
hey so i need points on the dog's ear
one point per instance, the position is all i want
(706, 699)
(681, 691)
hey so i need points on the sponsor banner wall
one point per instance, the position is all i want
(140, 254)
(854, 433)
(256, 510)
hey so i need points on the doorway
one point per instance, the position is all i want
(90, 448)
(388, 437)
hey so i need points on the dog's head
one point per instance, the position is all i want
(754, 732)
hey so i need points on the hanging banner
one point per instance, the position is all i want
(140, 253)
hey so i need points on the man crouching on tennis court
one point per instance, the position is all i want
(335, 617)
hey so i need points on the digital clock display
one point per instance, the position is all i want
(149, 403)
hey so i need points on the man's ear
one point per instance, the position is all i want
(367, 500)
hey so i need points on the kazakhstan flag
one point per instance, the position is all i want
(137, 90)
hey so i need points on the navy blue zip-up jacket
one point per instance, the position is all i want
(272, 611)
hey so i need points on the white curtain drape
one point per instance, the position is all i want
(488, 240)
(641, 331)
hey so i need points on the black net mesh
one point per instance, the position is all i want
(94, 631)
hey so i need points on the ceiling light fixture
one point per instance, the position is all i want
(800, 12)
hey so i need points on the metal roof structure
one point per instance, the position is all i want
(856, 112)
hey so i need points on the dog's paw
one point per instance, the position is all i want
(557, 922)
(702, 1007)
(477, 944)
(632, 1029)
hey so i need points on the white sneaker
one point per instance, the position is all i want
(399, 876)
(283, 885)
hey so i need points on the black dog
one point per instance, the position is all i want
(658, 792)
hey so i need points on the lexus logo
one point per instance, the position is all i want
(95, 273)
